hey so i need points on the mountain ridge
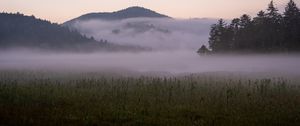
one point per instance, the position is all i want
(130, 12)
(28, 32)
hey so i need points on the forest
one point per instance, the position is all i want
(268, 32)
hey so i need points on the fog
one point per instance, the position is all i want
(174, 43)
(155, 33)
(172, 62)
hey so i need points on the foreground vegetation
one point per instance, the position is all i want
(41, 98)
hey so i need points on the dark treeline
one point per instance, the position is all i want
(269, 31)
(20, 31)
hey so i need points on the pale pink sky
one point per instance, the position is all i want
(63, 10)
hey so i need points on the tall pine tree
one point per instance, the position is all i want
(220, 37)
(292, 26)
(274, 28)
(268, 32)
(216, 33)
(261, 30)
(244, 37)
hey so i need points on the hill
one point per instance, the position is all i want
(20, 31)
(131, 12)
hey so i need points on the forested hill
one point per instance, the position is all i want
(269, 31)
(20, 31)
(131, 12)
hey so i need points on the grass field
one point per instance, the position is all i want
(41, 98)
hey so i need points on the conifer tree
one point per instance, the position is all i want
(216, 33)
(292, 25)
(268, 32)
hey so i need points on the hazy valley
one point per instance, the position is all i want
(138, 67)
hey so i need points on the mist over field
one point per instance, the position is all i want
(174, 43)
(154, 33)
(172, 62)
(136, 66)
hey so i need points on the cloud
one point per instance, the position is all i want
(156, 33)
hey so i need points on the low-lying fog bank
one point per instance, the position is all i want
(172, 62)
(154, 33)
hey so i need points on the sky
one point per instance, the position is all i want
(59, 11)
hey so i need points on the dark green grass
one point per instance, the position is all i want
(41, 98)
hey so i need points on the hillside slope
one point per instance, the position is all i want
(20, 31)
(131, 12)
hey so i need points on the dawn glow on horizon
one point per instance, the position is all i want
(62, 10)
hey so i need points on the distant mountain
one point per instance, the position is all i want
(20, 31)
(131, 12)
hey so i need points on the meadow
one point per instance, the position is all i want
(50, 98)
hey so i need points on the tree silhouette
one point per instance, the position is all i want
(269, 31)
(275, 34)
(203, 50)
(292, 25)
(217, 37)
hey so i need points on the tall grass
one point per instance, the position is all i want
(41, 98)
